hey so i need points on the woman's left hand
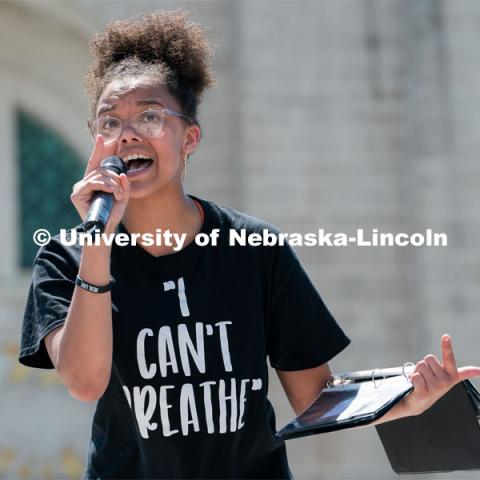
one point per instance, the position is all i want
(432, 379)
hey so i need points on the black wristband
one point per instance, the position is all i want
(92, 288)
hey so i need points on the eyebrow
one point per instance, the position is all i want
(109, 108)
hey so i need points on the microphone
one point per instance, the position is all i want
(102, 202)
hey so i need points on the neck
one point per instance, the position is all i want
(176, 212)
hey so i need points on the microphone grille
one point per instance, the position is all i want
(114, 163)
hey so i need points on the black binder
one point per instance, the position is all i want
(351, 400)
(444, 438)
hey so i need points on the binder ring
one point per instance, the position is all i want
(406, 364)
(375, 384)
(341, 381)
(335, 378)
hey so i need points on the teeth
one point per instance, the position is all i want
(135, 156)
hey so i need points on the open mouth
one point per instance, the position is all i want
(137, 163)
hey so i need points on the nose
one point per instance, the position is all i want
(129, 134)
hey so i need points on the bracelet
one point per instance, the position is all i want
(93, 288)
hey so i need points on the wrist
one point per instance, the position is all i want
(95, 264)
(407, 408)
(400, 410)
(98, 250)
(90, 287)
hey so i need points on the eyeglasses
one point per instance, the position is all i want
(146, 124)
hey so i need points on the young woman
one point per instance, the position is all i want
(174, 344)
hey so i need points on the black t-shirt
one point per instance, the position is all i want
(187, 396)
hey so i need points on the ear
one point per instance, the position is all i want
(191, 139)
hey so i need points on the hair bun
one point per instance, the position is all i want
(164, 38)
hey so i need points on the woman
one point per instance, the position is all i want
(174, 348)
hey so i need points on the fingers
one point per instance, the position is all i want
(91, 186)
(125, 186)
(448, 357)
(102, 179)
(431, 380)
(423, 375)
(100, 151)
(99, 179)
(434, 365)
(446, 374)
(96, 157)
(121, 188)
(118, 192)
(100, 173)
(419, 383)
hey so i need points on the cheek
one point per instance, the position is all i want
(167, 149)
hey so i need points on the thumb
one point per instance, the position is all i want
(468, 372)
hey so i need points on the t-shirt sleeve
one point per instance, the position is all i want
(48, 300)
(301, 332)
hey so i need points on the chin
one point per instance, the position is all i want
(139, 191)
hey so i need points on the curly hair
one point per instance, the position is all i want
(161, 44)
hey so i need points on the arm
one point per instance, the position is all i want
(431, 380)
(81, 350)
(302, 387)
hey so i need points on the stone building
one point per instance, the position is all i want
(328, 114)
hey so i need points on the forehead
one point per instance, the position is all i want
(125, 92)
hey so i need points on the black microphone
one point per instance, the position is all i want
(102, 202)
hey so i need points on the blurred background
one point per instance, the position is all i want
(328, 114)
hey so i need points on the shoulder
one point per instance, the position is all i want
(63, 249)
(272, 252)
(228, 217)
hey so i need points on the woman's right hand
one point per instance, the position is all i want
(98, 178)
